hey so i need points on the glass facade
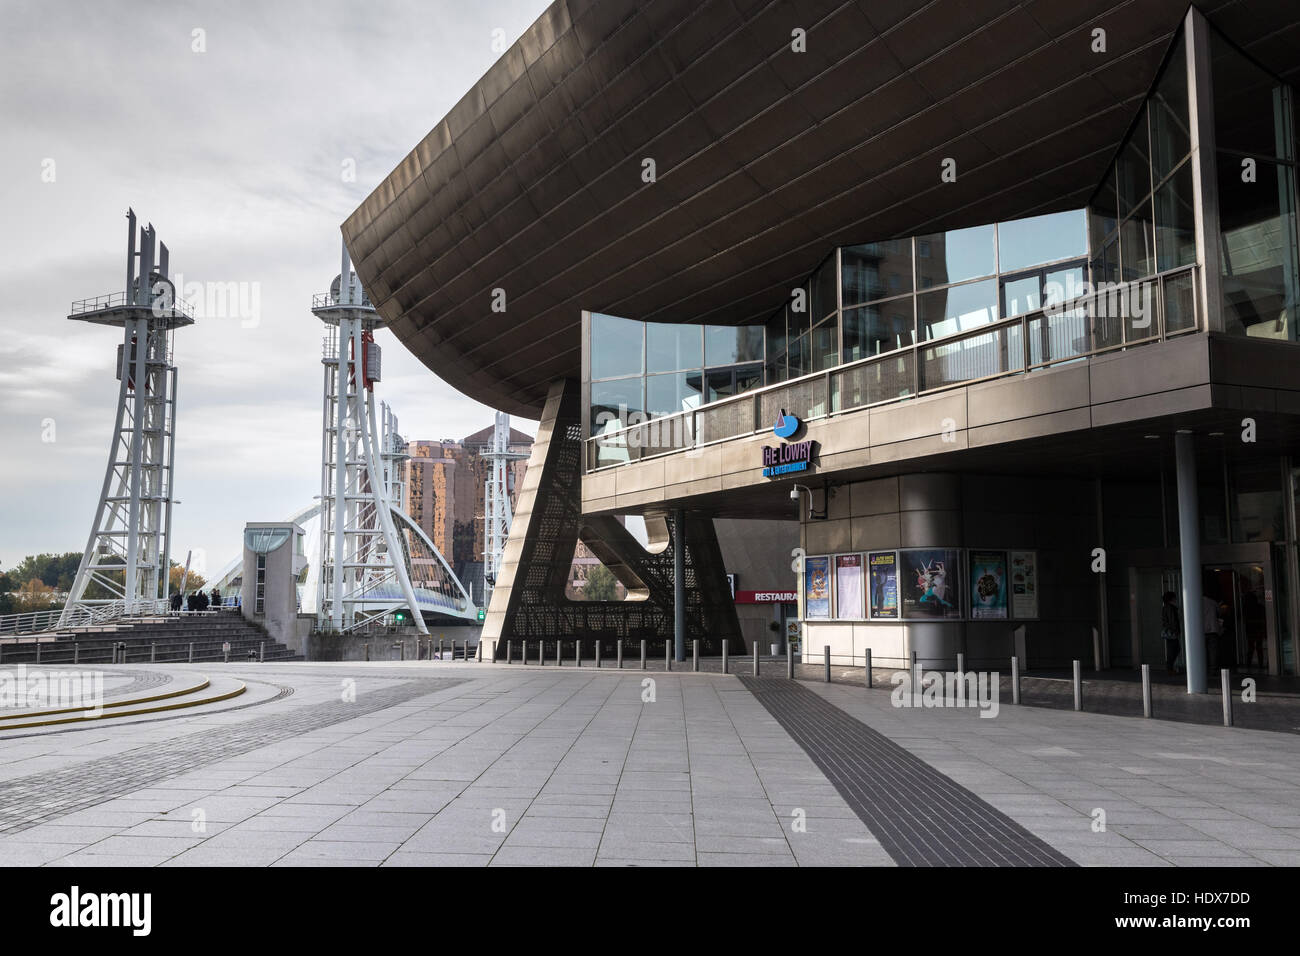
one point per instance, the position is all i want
(640, 371)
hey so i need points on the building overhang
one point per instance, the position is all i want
(527, 203)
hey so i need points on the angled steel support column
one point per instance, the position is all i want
(529, 601)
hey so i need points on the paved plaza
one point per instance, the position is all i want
(441, 763)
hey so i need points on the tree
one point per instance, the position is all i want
(34, 595)
(195, 581)
(601, 584)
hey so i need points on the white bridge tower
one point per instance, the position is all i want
(363, 564)
(126, 565)
(496, 502)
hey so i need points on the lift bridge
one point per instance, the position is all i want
(373, 560)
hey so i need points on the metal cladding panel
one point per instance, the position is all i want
(765, 158)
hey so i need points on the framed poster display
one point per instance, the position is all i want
(817, 589)
(848, 586)
(1024, 584)
(883, 570)
(930, 584)
(988, 585)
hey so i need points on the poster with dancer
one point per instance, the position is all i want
(931, 584)
(884, 584)
(816, 589)
(988, 585)
(848, 586)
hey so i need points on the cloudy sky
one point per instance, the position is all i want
(239, 156)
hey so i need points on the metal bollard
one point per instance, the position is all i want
(826, 654)
(191, 660)
(1015, 680)
(695, 655)
(577, 653)
(756, 658)
(620, 653)
(1078, 685)
(644, 648)
(960, 689)
(1224, 678)
(76, 652)
(541, 653)
(916, 680)
(867, 665)
(668, 654)
(597, 653)
(261, 652)
(478, 651)
(38, 651)
(789, 661)
(440, 648)
(724, 655)
(1146, 690)
(153, 652)
(367, 649)
(559, 652)
(401, 651)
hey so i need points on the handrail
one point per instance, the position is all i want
(119, 300)
(1092, 308)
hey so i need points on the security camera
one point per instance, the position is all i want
(794, 493)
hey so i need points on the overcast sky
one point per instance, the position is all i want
(238, 156)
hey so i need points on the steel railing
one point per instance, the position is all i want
(1110, 319)
(119, 300)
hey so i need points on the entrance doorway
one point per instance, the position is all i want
(1242, 592)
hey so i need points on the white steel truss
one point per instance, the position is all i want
(363, 563)
(496, 501)
(125, 567)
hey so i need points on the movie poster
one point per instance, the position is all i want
(1024, 584)
(816, 588)
(884, 584)
(988, 585)
(931, 584)
(848, 586)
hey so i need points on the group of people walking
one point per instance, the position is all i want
(196, 601)
(1220, 640)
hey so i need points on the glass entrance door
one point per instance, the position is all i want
(1241, 590)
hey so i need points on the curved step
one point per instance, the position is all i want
(203, 684)
(239, 688)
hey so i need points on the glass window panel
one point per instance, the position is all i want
(797, 357)
(876, 329)
(1022, 295)
(1136, 259)
(1171, 138)
(615, 346)
(672, 347)
(1105, 267)
(615, 404)
(729, 344)
(876, 270)
(1134, 168)
(748, 377)
(1179, 303)
(1028, 242)
(774, 371)
(1062, 285)
(776, 338)
(1247, 104)
(1176, 221)
(823, 291)
(724, 383)
(957, 309)
(955, 256)
(1103, 215)
(825, 345)
(1258, 250)
(671, 393)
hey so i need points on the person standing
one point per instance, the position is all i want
(1171, 629)
(1212, 624)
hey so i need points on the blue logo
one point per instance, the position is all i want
(786, 425)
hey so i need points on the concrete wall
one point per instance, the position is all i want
(353, 647)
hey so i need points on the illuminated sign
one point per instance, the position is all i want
(787, 458)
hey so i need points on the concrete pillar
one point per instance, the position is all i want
(1189, 548)
(679, 585)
